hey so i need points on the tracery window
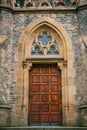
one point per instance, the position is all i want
(40, 3)
(44, 44)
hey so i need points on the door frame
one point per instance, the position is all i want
(62, 65)
(24, 63)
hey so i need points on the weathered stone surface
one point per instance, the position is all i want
(2, 39)
(43, 128)
(83, 115)
(5, 115)
(13, 26)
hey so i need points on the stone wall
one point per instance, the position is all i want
(68, 21)
(5, 57)
(82, 17)
(13, 25)
(5, 115)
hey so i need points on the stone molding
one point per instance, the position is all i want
(74, 6)
(82, 107)
(64, 62)
(50, 23)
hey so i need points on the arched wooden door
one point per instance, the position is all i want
(45, 96)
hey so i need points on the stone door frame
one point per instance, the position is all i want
(24, 64)
(27, 65)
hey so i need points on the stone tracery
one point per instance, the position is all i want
(44, 45)
(39, 3)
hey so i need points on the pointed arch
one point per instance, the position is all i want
(68, 71)
(57, 27)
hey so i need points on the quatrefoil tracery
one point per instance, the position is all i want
(44, 45)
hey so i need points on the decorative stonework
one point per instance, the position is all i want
(41, 3)
(44, 45)
(29, 3)
(31, 38)
(45, 4)
(83, 43)
(15, 66)
(58, 3)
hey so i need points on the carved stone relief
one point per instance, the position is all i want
(45, 3)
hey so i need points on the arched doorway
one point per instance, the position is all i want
(44, 43)
(45, 85)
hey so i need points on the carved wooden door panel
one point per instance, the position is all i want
(45, 99)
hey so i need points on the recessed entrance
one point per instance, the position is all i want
(45, 96)
(33, 50)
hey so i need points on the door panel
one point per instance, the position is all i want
(45, 98)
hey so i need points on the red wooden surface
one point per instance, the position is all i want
(45, 98)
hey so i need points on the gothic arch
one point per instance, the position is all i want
(63, 35)
(65, 64)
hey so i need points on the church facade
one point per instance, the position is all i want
(43, 59)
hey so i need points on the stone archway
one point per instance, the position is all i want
(65, 64)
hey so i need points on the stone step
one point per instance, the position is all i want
(43, 128)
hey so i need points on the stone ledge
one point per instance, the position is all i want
(5, 106)
(43, 128)
(24, 9)
(82, 107)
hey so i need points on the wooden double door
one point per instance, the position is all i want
(45, 96)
